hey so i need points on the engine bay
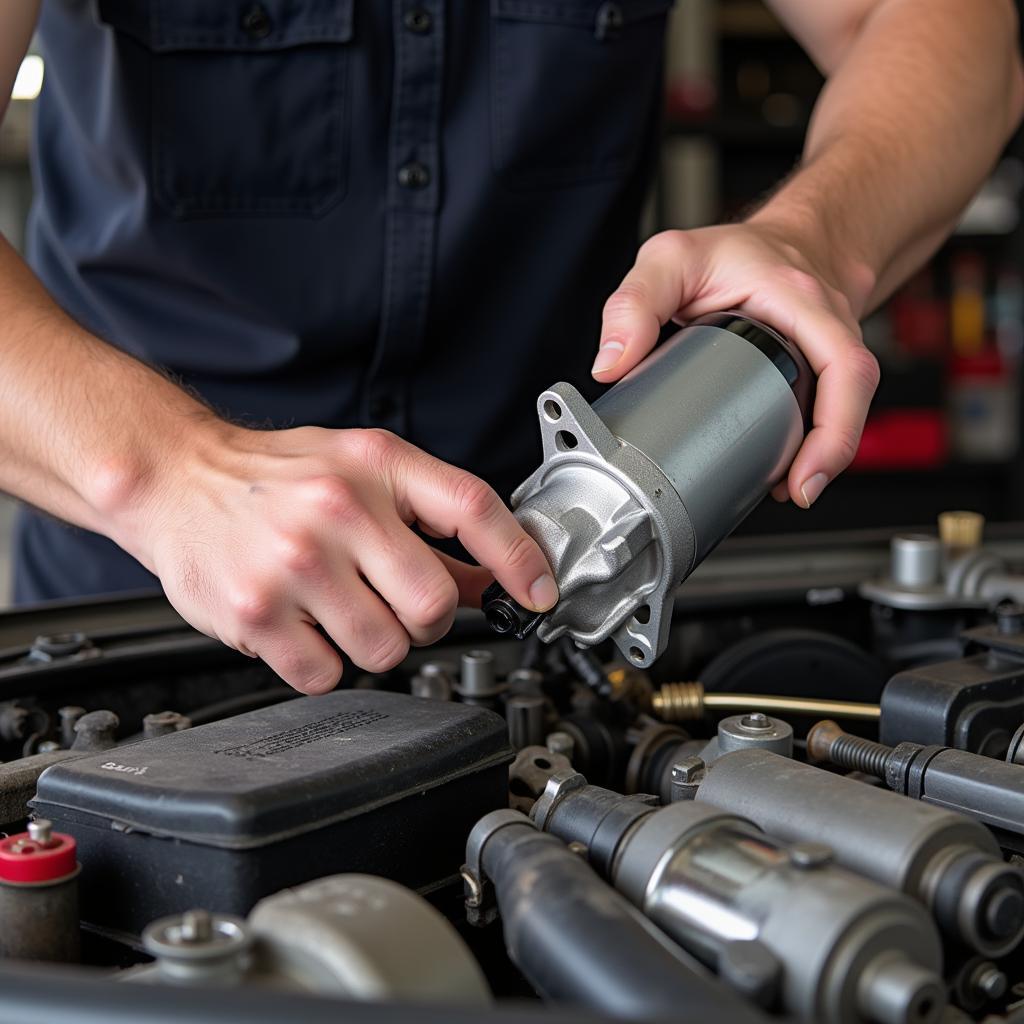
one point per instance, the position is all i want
(810, 808)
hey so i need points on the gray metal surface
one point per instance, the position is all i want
(858, 952)
(366, 937)
(578, 941)
(941, 858)
(711, 879)
(612, 527)
(916, 559)
(357, 937)
(924, 577)
(716, 416)
(755, 730)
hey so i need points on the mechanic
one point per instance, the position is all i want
(381, 229)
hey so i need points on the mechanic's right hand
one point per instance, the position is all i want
(271, 533)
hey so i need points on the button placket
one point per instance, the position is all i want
(412, 209)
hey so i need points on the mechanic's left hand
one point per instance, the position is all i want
(681, 275)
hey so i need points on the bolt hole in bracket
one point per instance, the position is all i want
(608, 521)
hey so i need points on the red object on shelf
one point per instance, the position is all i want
(920, 325)
(903, 439)
(24, 861)
(690, 98)
(986, 363)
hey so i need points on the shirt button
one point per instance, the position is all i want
(418, 20)
(382, 406)
(609, 21)
(256, 22)
(413, 175)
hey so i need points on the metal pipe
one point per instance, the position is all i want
(684, 702)
(578, 941)
(946, 861)
(711, 879)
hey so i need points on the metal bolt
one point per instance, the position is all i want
(96, 731)
(987, 979)
(433, 681)
(199, 947)
(687, 775)
(525, 715)
(58, 645)
(1009, 617)
(758, 720)
(196, 926)
(1004, 911)
(473, 888)
(526, 680)
(686, 769)
(69, 716)
(162, 723)
(810, 855)
(580, 849)
(40, 831)
(827, 742)
(13, 719)
(477, 679)
(560, 743)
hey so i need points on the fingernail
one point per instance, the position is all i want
(543, 593)
(607, 356)
(811, 489)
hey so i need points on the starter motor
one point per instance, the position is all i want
(635, 490)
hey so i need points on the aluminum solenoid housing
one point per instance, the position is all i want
(635, 490)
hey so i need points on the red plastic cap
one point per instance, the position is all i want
(23, 860)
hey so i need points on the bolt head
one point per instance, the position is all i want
(687, 769)
(757, 721)
(1005, 912)
(810, 855)
(989, 980)
(1009, 617)
(40, 831)
(196, 926)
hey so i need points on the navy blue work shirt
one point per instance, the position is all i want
(393, 213)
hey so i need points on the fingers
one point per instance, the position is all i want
(845, 386)
(847, 378)
(410, 577)
(649, 296)
(300, 656)
(454, 503)
(360, 623)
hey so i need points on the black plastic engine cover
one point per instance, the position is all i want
(221, 815)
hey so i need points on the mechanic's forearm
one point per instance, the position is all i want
(84, 428)
(918, 108)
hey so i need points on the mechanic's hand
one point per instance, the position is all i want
(751, 267)
(272, 533)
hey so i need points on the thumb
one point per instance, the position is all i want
(649, 296)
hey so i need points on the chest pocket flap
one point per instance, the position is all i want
(575, 87)
(248, 101)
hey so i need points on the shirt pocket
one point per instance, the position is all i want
(248, 102)
(575, 87)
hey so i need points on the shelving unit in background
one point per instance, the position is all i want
(945, 426)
